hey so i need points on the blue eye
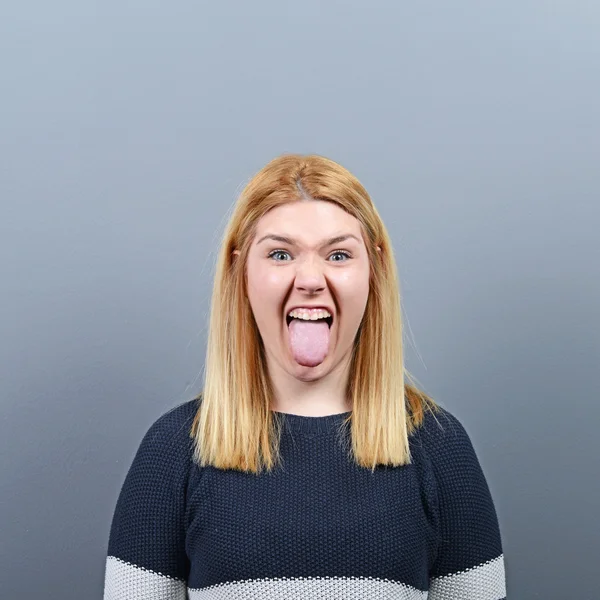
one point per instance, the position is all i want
(277, 252)
(340, 252)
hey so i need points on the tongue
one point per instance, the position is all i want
(309, 341)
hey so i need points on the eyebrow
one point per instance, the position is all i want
(288, 240)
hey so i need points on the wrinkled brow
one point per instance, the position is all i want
(338, 239)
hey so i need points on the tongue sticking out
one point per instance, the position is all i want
(309, 341)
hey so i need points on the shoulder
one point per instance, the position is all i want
(174, 425)
(168, 440)
(163, 459)
(148, 527)
(451, 457)
(446, 443)
(441, 431)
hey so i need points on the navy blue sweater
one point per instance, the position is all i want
(319, 527)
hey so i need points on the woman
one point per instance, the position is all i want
(307, 467)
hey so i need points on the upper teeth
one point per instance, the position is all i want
(309, 314)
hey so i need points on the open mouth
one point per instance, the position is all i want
(328, 320)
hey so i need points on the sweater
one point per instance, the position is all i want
(318, 527)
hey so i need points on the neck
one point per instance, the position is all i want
(307, 395)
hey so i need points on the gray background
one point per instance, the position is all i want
(127, 130)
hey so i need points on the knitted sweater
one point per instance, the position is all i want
(318, 527)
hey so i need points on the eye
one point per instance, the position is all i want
(341, 253)
(271, 254)
(337, 252)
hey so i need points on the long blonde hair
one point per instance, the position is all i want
(234, 427)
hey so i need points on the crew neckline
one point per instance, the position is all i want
(305, 424)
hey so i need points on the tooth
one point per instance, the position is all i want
(309, 315)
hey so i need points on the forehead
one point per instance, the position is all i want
(308, 221)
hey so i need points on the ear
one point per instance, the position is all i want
(236, 252)
(378, 248)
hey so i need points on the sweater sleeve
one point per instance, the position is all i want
(146, 550)
(470, 563)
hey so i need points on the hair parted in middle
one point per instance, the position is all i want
(234, 427)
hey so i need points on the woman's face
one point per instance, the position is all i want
(308, 268)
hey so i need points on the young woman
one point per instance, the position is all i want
(307, 467)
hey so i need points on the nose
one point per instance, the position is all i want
(309, 277)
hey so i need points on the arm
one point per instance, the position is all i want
(470, 561)
(146, 551)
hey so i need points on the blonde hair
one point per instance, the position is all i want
(234, 427)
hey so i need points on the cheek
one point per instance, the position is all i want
(265, 285)
(353, 295)
(353, 285)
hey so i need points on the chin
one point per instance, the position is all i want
(310, 373)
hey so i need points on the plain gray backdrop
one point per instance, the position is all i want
(126, 132)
